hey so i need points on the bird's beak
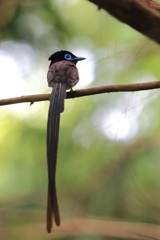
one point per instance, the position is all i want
(78, 58)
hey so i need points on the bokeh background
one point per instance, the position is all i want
(109, 147)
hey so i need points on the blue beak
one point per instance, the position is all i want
(78, 58)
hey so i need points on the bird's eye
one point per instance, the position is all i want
(68, 56)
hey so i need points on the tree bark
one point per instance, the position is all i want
(138, 14)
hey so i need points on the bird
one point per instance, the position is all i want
(62, 75)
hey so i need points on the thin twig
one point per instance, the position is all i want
(85, 92)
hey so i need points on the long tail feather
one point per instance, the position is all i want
(56, 107)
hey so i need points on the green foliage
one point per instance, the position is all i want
(99, 174)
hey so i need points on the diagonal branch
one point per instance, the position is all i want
(139, 14)
(85, 92)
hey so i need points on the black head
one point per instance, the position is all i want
(64, 55)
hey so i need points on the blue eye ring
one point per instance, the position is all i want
(68, 56)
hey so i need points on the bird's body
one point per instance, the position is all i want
(62, 75)
(64, 72)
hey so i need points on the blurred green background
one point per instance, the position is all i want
(109, 147)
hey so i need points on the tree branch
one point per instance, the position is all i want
(152, 4)
(85, 92)
(136, 13)
(111, 228)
